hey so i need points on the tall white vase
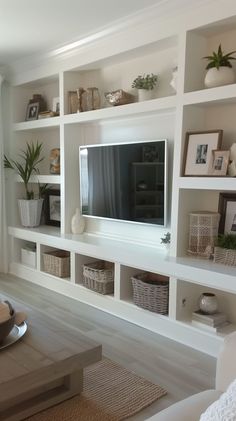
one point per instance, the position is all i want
(77, 222)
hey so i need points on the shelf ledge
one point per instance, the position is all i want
(207, 97)
(154, 105)
(37, 124)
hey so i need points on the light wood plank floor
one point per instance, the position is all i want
(181, 370)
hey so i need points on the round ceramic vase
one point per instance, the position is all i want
(208, 303)
(219, 77)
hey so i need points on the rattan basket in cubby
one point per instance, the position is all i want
(57, 263)
(99, 276)
(225, 256)
(151, 291)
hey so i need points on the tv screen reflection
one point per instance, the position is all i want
(124, 181)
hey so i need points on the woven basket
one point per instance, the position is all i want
(57, 263)
(99, 276)
(225, 256)
(151, 292)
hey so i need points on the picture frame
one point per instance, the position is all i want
(56, 105)
(32, 111)
(198, 152)
(52, 206)
(220, 162)
(150, 153)
(227, 210)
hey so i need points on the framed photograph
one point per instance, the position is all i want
(52, 207)
(150, 153)
(32, 111)
(220, 162)
(198, 151)
(227, 210)
(56, 105)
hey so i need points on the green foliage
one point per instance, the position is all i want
(145, 82)
(227, 241)
(30, 159)
(219, 59)
(166, 238)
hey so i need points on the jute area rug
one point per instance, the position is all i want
(111, 393)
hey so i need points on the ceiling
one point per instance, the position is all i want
(28, 27)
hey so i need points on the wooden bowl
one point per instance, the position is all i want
(6, 327)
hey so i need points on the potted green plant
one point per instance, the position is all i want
(166, 240)
(225, 249)
(219, 69)
(145, 85)
(30, 207)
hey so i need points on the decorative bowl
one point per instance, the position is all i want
(6, 327)
(119, 97)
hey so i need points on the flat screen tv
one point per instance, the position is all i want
(125, 181)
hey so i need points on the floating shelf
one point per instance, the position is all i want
(212, 96)
(44, 179)
(37, 124)
(154, 105)
(208, 183)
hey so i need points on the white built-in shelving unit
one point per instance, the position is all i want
(132, 248)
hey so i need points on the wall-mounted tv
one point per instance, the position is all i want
(125, 181)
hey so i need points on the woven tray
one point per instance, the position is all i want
(99, 276)
(151, 292)
(57, 263)
(225, 256)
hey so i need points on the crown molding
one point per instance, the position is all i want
(165, 9)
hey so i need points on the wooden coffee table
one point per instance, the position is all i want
(44, 367)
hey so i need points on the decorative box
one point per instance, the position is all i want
(28, 257)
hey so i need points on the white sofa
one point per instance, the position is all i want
(190, 409)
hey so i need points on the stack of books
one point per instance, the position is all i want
(47, 114)
(209, 322)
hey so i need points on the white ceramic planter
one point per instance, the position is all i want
(30, 212)
(145, 94)
(219, 77)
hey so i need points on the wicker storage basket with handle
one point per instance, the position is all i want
(151, 291)
(99, 276)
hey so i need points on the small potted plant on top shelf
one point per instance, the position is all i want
(225, 250)
(145, 85)
(219, 69)
(31, 207)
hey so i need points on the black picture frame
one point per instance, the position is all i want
(52, 207)
(32, 111)
(227, 210)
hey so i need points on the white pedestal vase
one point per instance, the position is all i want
(30, 212)
(219, 77)
(145, 94)
(77, 222)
